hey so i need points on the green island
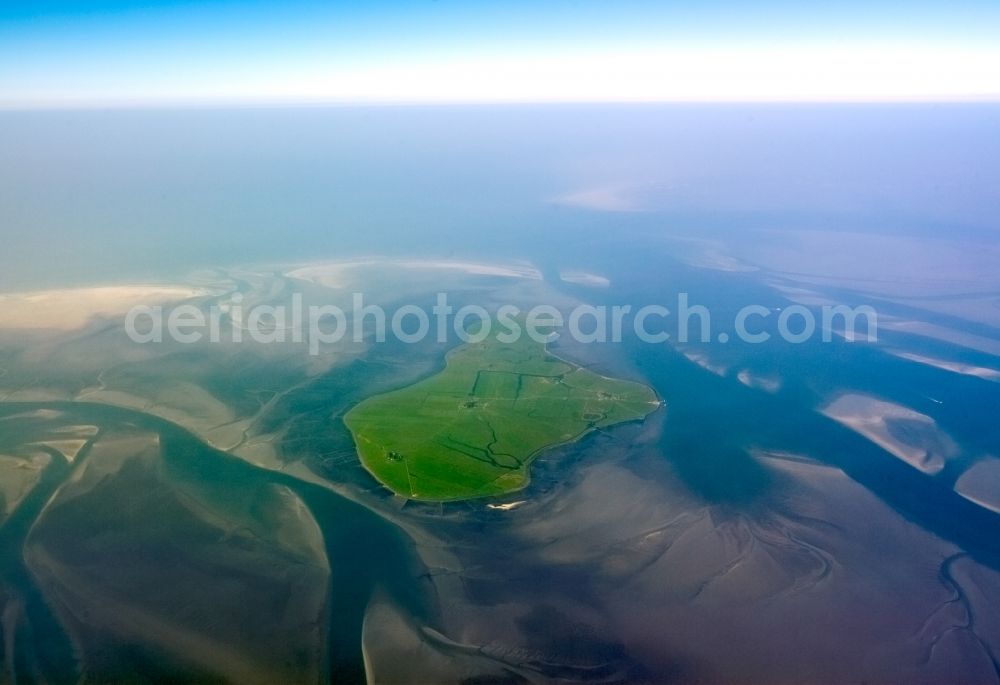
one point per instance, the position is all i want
(473, 429)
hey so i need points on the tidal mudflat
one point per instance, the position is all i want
(703, 517)
(822, 512)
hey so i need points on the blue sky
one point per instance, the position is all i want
(80, 53)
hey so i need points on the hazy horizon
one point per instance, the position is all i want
(232, 186)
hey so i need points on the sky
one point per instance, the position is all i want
(98, 53)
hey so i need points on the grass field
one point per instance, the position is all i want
(473, 429)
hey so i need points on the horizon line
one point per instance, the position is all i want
(319, 103)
